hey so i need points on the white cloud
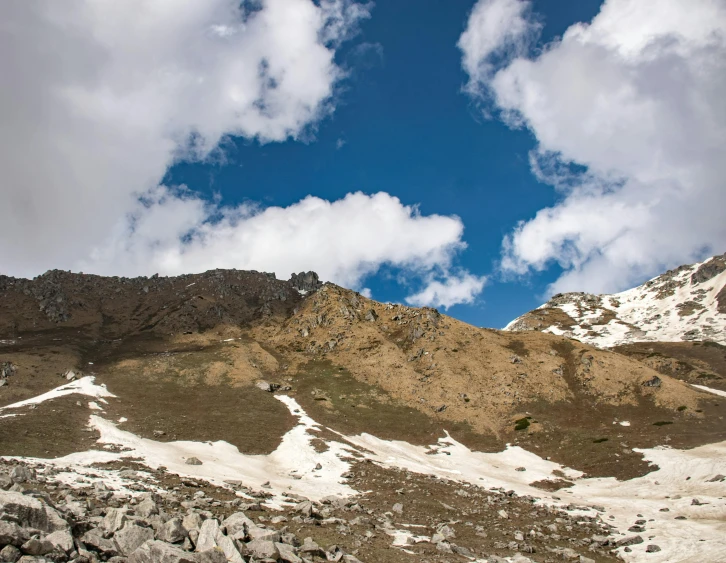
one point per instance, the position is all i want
(496, 29)
(453, 290)
(636, 98)
(100, 97)
(343, 241)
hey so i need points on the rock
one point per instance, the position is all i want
(371, 316)
(263, 549)
(652, 548)
(306, 508)
(114, 520)
(207, 535)
(130, 537)
(629, 540)
(309, 547)
(655, 381)
(10, 554)
(12, 534)
(36, 547)
(22, 474)
(502, 514)
(30, 512)
(193, 461)
(147, 507)
(192, 521)
(397, 508)
(228, 547)
(287, 553)
(155, 551)
(7, 369)
(306, 281)
(172, 531)
(95, 538)
(62, 540)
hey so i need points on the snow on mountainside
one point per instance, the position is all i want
(684, 304)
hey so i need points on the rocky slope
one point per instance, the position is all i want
(684, 304)
(264, 394)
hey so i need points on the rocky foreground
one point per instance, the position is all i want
(44, 518)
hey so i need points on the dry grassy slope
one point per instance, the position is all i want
(483, 377)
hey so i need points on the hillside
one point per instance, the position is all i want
(294, 390)
(684, 304)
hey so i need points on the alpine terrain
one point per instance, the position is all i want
(232, 416)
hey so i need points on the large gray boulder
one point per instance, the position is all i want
(30, 512)
(156, 551)
(131, 537)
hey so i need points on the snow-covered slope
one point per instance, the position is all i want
(687, 303)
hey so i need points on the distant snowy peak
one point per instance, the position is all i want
(687, 303)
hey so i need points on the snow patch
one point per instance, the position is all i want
(709, 390)
(82, 386)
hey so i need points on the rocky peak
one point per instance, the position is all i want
(306, 281)
(687, 303)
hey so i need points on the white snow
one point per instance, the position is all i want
(9, 415)
(290, 468)
(709, 390)
(681, 477)
(93, 405)
(83, 386)
(645, 313)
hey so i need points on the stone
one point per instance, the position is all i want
(305, 281)
(12, 534)
(130, 537)
(228, 547)
(207, 535)
(146, 508)
(652, 548)
(193, 461)
(22, 474)
(397, 508)
(62, 540)
(192, 521)
(309, 547)
(263, 549)
(37, 547)
(30, 512)
(95, 538)
(629, 540)
(214, 555)
(172, 531)
(655, 381)
(306, 508)
(287, 553)
(155, 551)
(10, 554)
(114, 520)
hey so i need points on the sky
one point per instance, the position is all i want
(474, 156)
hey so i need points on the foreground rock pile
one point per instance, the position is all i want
(42, 519)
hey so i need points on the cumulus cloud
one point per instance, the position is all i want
(630, 123)
(453, 289)
(344, 240)
(102, 97)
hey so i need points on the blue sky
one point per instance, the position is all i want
(476, 156)
(408, 130)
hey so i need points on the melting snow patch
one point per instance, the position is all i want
(83, 386)
(94, 406)
(709, 390)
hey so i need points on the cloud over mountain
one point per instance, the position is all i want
(630, 124)
(103, 97)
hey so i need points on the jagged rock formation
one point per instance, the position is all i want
(684, 304)
(112, 307)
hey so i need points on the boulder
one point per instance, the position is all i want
(263, 549)
(130, 537)
(12, 534)
(30, 512)
(155, 551)
(61, 540)
(208, 535)
(10, 554)
(172, 531)
(114, 520)
(147, 508)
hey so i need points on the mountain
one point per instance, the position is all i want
(684, 304)
(140, 415)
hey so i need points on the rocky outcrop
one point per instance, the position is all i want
(306, 281)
